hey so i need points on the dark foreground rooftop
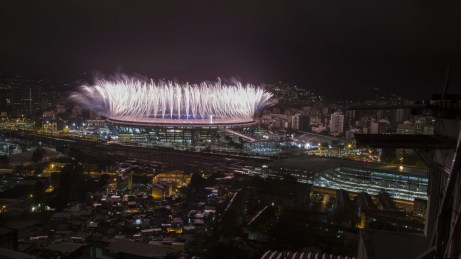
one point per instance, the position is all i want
(129, 248)
(404, 141)
(379, 244)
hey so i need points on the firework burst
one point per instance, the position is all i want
(136, 99)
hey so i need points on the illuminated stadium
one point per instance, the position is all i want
(170, 112)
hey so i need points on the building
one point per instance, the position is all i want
(374, 128)
(295, 124)
(20, 95)
(160, 190)
(408, 186)
(129, 249)
(179, 134)
(166, 184)
(401, 115)
(22, 103)
(377, 244)
(443, 223)
(420, 208)
(8, 238)
(405, 128)
(424, 125)
(175, 114)
(441, 152)
(5, 99)
(336, 123)
(51, 128)
(300, 254)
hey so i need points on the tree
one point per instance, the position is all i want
(72, 186)
(196, 181)
(76, 154)
(39, 192)
(38, 154)
(38, 170)
(105, 179)
(72, 182)
(54, 178)
(10, 149)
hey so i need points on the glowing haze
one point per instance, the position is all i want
(149, 101)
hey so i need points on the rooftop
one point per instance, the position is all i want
(139, 249)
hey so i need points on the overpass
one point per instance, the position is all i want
(233, 132)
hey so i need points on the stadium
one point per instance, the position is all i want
(172, 114)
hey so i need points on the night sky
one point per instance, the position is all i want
(342, 49)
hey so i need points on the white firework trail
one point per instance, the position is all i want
(171, 100)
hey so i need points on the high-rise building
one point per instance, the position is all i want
(336, 123)
(304, 122)
(5, 99)
(22, 100)
(21, 95)
(401, 115)
(295, 121)
(374, 128)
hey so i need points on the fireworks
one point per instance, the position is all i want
(133, 99)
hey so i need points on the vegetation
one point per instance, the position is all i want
(38, 154)
(72, 186)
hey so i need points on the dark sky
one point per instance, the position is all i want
(339, 48)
